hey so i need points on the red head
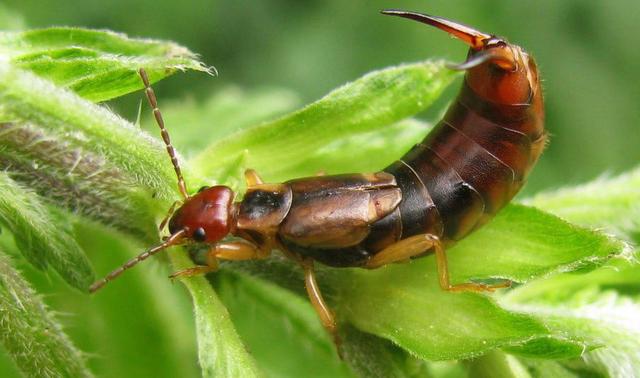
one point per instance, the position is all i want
(206, 216)
(496, 70)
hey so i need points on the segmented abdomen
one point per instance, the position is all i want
(470, 166)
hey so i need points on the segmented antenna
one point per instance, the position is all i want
(172, 240)
(151, 96)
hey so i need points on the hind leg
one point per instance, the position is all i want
(416, 245)
(443, 275)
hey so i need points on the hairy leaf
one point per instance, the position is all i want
(96, 64)
(610, 203)
(80, 155)
(41, 235)
(71, 175)
(524, 243)
(605, 320)
(30, 333)
(66, 117)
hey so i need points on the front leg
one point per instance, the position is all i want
(166, 218)
(236, 250)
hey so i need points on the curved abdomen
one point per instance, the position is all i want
(471, 165)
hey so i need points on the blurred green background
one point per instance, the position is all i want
(586, 50)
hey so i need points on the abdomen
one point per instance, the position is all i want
(471, 165)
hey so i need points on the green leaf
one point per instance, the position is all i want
(611, 203)
(41, 235)
(554, 347)
(522, 243)
(410, 304)
(220, 350)
(621, 273)
(278, 149)
(30, 334)
(603, 319)
(96, 64)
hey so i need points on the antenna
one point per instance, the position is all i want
(171, 241)
(151, 96)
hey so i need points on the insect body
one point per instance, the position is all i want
(454, 181)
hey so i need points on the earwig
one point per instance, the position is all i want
(450, 184)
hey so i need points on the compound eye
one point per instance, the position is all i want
(203, 188)
(199, 235)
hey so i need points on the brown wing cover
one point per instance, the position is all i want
(330, 216)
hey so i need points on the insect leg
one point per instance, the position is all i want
(443, 275)
(168, 216)
(241, 251)
(402, 250)
(252, 178)
(226, 251)
(317, 301)
(211, 266)
(417, 245)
